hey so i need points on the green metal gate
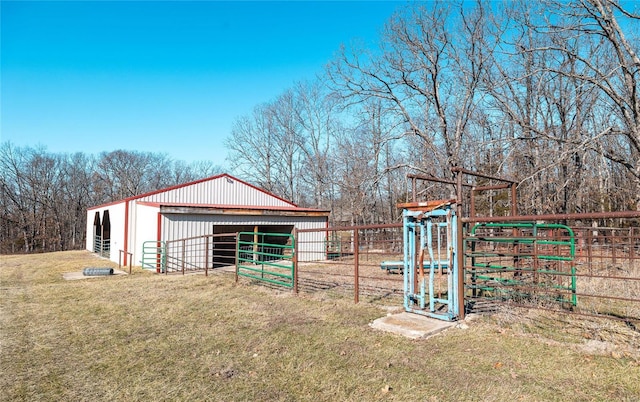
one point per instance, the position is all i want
(154, 255)
(522, 261)
(267, 257)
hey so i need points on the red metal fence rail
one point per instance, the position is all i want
(352, 261)
(365, 262)
(605, 259)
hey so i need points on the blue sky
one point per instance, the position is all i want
(165, 77)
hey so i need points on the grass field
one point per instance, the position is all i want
(190, 338)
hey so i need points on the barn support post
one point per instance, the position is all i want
(589, 254)
(472, 211)
(613, 242)
(256, 240)
(126, 231)
(514, 199)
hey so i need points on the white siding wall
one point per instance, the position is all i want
(312, 246)
(145, 228)
(221, 191)
(116, 218)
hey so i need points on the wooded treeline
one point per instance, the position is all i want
(545, 93)
(44, 196)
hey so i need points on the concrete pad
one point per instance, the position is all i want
(410, 325)
(72, 276)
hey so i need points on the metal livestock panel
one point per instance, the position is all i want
(218, 191)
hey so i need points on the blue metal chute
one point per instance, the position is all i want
(431, 232)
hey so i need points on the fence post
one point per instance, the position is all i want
(183, 254)
(120, 254)
(612, 236)
(460, 242)
(295, 260)
(356, 268)
(589, 251)
(632, 246)
(461, 264)
(237, 253)
(206, 254)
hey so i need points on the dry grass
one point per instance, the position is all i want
(336, 279)
(599, 280)
(153, 337)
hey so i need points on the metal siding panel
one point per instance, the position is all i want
(183, 226)
(217, 191)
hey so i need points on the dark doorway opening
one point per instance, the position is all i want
(102, 234)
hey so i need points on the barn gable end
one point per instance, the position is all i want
(218, 190)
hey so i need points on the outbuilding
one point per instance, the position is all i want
(215, 205)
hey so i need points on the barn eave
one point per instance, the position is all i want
(240, 210)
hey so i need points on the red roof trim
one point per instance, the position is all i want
(192, 183)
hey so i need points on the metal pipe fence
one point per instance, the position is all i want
(128, 259)
(588, 266)
(578, 267)
(353, 262)
(201, 253)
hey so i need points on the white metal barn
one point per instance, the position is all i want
(219, 204)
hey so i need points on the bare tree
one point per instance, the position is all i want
(317, 112)
(18, 206)
(427, 73)
(195, 170)
(606, 61)
(288, 129)
(252, 147)
(265, 147)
